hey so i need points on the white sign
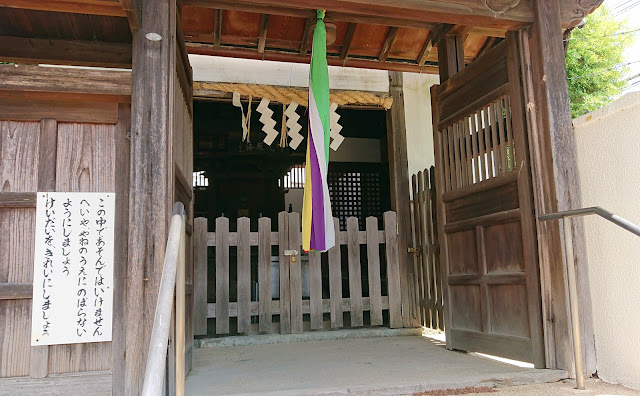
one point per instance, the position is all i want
(73, 268)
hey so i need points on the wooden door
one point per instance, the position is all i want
(485, 214)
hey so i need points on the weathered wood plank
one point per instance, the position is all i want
(95, 7)
(65, 52)
(315, 290)
(244, 275)
(95, 383)
(63, 111)
(335, 281)
(341, 237)
(18, 200)
(200, 269)
(285, 295)
(295, 272)
(118, 344)
(393, 270)
(373, 262)
(16, 291)
(355, 277)
(222, 273)
(264, 273)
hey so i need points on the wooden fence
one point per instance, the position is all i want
(428, 278)
(382, 291)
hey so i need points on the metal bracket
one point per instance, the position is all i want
(291, 252)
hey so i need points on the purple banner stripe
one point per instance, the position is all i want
(317, 214)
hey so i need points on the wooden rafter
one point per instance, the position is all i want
(95, 7)
(262, 39)
(217, 28)
(388, 42)
(434, 36)
(348, 39)
(486, 46)
(65, 52)
(132, 9)
(306, 36)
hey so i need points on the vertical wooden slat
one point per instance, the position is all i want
(355, 279)
(456, 155)
(373, 260)
(295, 272)
(485, 144)
(463, 154)
(39, 362)
(264, 273)
(285, 296)
(335, 280)
(503, 144)
(200, 279)
(444, 139)
(244, 275)
(417, 243)
(510, 141)
(424, 248)
(474, 148)
(495, 148)
(469, 156)
(436, 252)
(222, 275)
(315, 290)
(393, 269)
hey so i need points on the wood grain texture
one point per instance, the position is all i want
(295, 273)
(16, 291)
(355, 276)
(264, 272)
(393, 269)
(200, 269)
(244, 276)
(18, 200)
(373, 263)
(63, 111)
(315, 290)
(222, 274)
(335, 281)
(284, 264)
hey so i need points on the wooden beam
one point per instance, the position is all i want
(217, 27)
(65, 52)
(348, 39)
(464, 12)
(388, 42)
(16, 291)
(280, 56)
(399, 180)
(555, 182)
(450, 56)
(93, 7)
(306, 36)
(17, 200)
(37, 82)
(262, 38)
(132, 9)
(486, 46)
(434, 36)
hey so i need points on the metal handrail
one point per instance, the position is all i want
(173, 276)
(571, 270)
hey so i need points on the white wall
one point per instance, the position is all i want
(417, 108)
(608, 150)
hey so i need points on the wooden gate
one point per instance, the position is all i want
(428, 278)
(485, 214)
(375, 304)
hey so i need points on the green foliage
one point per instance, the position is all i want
(595, 62)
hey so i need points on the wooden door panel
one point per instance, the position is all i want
(488, 245)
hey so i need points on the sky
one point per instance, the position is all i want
(630, 9)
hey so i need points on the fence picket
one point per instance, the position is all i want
(222, 274)
(283, 265)
(295, 273)
(264, 273)
(335, 280)
(355, 278)
(373, 261)
(393, 269)
(421, 229)
(417, 243)
(200, 279)
(315, 290)
(244, 275)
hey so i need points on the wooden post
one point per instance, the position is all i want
(151, 176)
(200, 276)
(555, 182)
(450, 56)
(399, 177)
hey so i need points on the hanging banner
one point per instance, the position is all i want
(73, 268)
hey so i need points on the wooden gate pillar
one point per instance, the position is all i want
(151, 187)
(555, 181)
(399, 177)
(450, 56)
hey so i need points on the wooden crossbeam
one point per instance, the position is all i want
(217, 28)
(262, 39)
(434, 36)
(65, 52)
(348, 39)
(388, 42)
(93, 7)
(487, 45)
(306, 36)
(132, 9)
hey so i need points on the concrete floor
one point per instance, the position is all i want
(593, 387)
(365, 366)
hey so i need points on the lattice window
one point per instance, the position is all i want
(294, 177)
(200, 180)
